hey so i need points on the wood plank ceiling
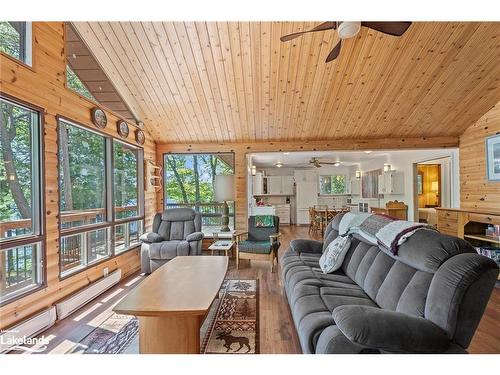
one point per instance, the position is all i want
(236, 82)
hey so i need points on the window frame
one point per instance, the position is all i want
(38, 237)
(26, 50)
(331, 179)
(109, 223)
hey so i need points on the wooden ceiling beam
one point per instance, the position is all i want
(330, 145)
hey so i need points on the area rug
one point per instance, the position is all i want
(235, 328)
(231, 326)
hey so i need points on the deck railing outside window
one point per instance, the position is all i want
(211, 213)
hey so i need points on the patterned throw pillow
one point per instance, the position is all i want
(334, 255)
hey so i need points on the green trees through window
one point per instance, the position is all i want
(190, 180)
(332, 184)
(20, 262)
(99, 196)
(75, 84)
(82, 176)
(15, 40)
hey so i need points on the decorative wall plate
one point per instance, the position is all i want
(122, 128)
(140, 138)
(99, 118)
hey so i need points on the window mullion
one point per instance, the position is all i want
(110, 201)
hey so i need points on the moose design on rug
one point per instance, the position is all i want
(229, 340)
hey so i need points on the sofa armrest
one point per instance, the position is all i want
(390, 331)
(151, 237)
(306, 246)
(196, 236)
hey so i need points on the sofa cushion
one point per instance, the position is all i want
(257, 247)
(168, 249)
(390, 331)
(332, 258)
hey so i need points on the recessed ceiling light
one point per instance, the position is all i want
(336, 164)
(279, 164)
(286, 153)
(368, 152)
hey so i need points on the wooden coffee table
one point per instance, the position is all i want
(173, 301)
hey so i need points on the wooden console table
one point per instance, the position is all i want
(172, 303)
(394, 209)
(468, 224)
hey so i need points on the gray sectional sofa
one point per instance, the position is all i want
(427, 299)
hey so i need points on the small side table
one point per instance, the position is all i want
(222, 245)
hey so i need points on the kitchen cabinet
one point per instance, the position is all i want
(283, 212)
(354, 186)
(391, 182)
(257, 184)
(279, 185)
(274, 185)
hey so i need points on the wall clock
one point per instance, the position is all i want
(140, 137)
(99, 118)
(122, 128)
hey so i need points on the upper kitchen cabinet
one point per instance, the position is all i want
(277, 185)
(391, 182)
(257, 184)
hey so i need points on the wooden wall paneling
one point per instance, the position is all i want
(476, 192)
(44, 86)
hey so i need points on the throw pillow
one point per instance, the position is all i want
(334, 255)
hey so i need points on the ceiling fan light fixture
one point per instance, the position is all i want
(348, 29)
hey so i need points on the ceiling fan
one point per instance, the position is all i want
(349, 29)
(317, 163)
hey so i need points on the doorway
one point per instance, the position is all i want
(432, 188)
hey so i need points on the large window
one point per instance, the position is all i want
(190, 180)
(20, 204)
(332, 184)
(82, 160)
(100, 184)
(15, 40)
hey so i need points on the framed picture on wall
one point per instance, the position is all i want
(493, 157)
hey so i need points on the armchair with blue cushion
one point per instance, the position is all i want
(176, 231)
(261, 241)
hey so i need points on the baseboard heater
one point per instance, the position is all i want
(26, 329)
(77, 300)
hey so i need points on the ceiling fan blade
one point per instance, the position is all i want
(334, 52)
(391, 28)
(329, 25)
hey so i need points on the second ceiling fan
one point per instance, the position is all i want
(349, 29)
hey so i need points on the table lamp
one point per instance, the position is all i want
(224, 191)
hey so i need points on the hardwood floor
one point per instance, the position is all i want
(277, 332)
